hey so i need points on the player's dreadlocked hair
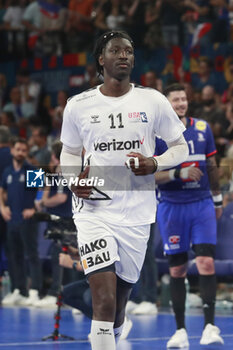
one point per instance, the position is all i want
(102, 42)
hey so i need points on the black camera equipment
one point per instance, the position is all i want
(62, 231)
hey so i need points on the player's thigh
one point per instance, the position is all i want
(204, 228)
(132, 245)
(97, 245)
(174, 227)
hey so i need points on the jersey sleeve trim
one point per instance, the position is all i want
(69, 144)
(211, 153)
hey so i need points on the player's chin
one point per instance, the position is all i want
(123, 72)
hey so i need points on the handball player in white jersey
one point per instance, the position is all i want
(116, 124)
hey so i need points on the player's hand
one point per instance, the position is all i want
(28, 213)
(143, 166)
(6, 213)
(79, 190)
(66, 261)
(218, 212)
(191, 172)
(73, 252)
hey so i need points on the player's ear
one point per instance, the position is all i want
(101, 60)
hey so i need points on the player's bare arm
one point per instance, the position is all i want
(71, 165)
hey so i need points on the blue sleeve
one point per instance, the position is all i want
(160, 146)
(210, 144)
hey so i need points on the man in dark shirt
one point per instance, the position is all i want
(17, 209)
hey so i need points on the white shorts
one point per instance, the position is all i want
(101, 245)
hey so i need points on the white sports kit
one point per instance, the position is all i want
(114, 224)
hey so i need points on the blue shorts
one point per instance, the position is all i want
(182, 225)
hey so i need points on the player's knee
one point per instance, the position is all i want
(104, 308)
(178, 271)
(205, 265)
(178, 264)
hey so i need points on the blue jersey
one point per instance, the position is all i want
(18, 197)
(201, 144)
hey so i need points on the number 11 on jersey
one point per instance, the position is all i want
(114, 121)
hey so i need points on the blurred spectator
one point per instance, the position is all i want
(57, 113)
(13, 16)
(79, 26)
(215, 116)
(221, 27)
(22, 111)
(150, 79)
(226, 179)
(44, 19)
(205, 75)
(228, 93)
(3, 90)
(229, 118)
(196, 14)
(112, 16)
(32, 22)
(53, 20)
(153, 34)
(17, 208)
(30, 89)
(8, 119)
(5, 154)
(3, 7)
(230, 9)
(171, 22)
(40, 153)
(135, 15)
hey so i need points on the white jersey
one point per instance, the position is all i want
(109, 128)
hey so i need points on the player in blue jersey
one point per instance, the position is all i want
(187, 216)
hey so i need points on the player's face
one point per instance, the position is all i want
(179, 102)
(117, 58)
(19, 152)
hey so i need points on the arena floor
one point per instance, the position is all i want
(23, 328)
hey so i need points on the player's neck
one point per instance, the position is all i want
(115, 88)
(17, 165)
